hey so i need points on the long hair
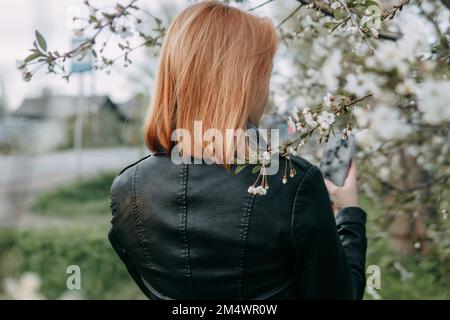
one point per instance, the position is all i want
(215, 65)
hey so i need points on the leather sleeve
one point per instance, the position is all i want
(131, 268)
(121, 208)
(351, 227)
(329, 252)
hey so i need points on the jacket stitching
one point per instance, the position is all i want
(113, 207)
(183, 225)
(245, 221)
(113, 201)
(139, 223)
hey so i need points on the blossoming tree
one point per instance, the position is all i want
(376, 68)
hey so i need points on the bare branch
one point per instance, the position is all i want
(260, 5)
(289, 16)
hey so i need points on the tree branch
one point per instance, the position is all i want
(289, 16)
(260, 5)
(383, 35)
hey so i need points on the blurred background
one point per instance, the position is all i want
(62, 140)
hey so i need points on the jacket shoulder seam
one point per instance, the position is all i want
(138, 221)
(134, 164)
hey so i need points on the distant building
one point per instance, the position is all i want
(133, 111)
(47, 123)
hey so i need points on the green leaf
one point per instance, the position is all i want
(32, 56)
(239, 168)
(369, 3)
(339, 13)
(256, 169)
(41, 41)
(304, 135)
(330, 24)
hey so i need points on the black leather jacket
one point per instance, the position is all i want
(194, 232)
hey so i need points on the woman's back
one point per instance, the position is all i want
(192, 231)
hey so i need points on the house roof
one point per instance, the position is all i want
(134, 109)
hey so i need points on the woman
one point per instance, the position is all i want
(192, 231)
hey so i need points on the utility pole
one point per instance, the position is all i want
(79, 67)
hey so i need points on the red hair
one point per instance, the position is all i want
(215, 65)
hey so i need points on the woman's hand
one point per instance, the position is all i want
(347, 195)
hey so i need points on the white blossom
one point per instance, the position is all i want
(360, 84)
(434, 101)
(292, 151)
(414, 40)
(310, 122)
(374, 32)
(384, 173)
(389, 57)
(362, 116)
(261, 190)
(325, 117)
(291, 125)
(301, 129)
(335, 5)
(123, 31)
(331, 70)
(386, 123)
(328, 100)
(408, 86)
(352, 29)
(257, 190)
(366, 140)
(360, 48)
(266, 155)
(428, 7)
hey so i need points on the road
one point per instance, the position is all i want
(23, 176)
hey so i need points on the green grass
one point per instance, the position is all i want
(83, 241)
(430, 274)
(88, 197)
(48, 252)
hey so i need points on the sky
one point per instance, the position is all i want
(20, 18)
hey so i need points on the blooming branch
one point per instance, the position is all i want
(98, 23)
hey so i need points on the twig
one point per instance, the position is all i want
(351, 103)
(394, 10)
(356, 24)
(260, 5)
(289, 16)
